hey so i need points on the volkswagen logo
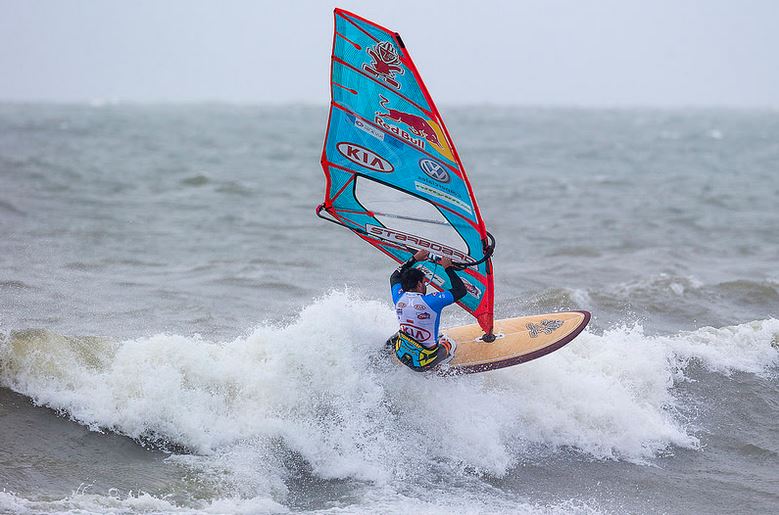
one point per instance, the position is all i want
(434, 169)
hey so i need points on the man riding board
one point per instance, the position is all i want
(418, 343)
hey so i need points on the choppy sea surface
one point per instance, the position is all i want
(180, 333)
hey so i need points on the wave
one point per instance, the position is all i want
(9, 208)
(83, 502)
(317, 391)
(15, 285)
(671, 301)
(664, 287)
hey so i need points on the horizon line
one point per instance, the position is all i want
(618, 106)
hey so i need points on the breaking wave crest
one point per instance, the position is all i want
(317, 394)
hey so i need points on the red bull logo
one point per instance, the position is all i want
(386, 63)
(419, 126)
(397, 131)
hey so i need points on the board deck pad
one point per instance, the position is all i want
(519, 340)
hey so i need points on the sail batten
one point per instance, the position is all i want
(393, 175)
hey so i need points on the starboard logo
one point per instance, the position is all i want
(364, 157)
(417, 242)
(416, 333)
(434, 169)
(546, 326)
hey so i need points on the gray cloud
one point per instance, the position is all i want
(554, 52)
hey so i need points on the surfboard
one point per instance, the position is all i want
(518, 340)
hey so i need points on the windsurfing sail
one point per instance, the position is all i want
(393, 176)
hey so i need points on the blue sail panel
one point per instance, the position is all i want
(393, 174)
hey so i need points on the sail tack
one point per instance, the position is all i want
(392, 173)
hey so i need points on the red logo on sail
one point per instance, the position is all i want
(470, 288)
(364, 157)
(386, 63)
(416, 124)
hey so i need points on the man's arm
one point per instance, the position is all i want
(457, 290)
(458, 287)
(438, 301)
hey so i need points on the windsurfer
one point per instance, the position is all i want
(418, 344)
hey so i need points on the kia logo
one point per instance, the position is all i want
(364, 157)
(417, 333)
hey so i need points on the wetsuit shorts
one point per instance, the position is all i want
(416, 356)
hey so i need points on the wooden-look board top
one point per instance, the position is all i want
(519, 339)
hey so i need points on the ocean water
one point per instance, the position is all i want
(180, 333)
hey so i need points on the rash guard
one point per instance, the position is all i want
(419, 314)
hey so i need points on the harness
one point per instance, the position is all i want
(413, 354)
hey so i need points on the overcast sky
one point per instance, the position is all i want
(527, 52)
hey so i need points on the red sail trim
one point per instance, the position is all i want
(343, 14)
(345, 221)
(383, 85)
(350, 90)
(323, 158)
(355, 45)
(354, 211)
(475, 274)
(485, 313)
(343, 188)
(345, 169)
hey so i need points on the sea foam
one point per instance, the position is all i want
(319, 391)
